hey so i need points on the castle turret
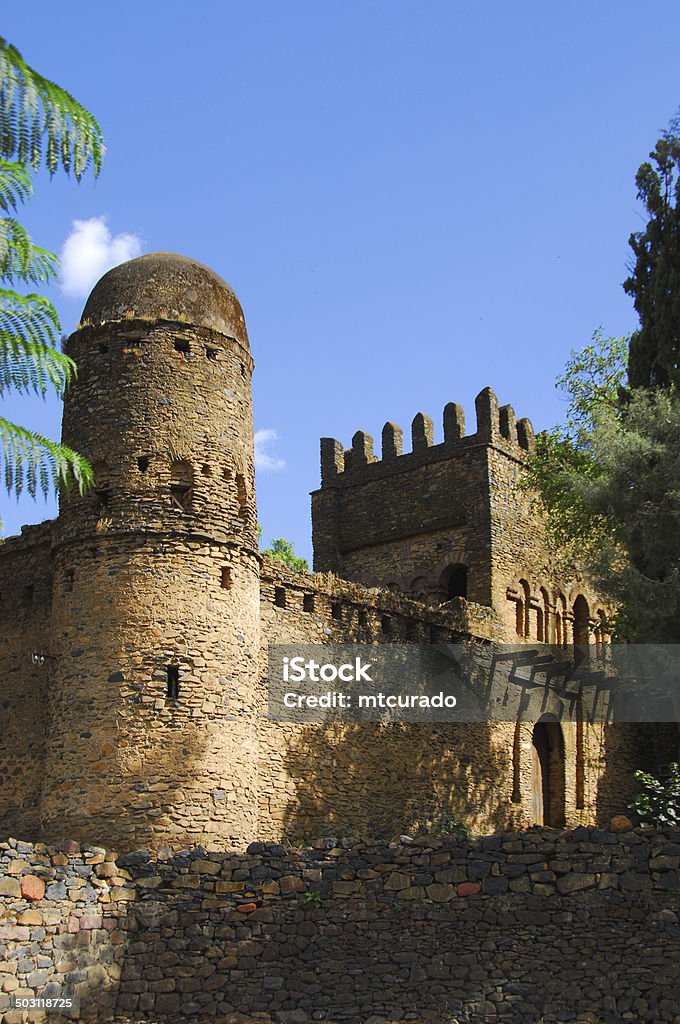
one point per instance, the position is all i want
(155, 628)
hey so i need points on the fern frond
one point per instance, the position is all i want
(32, 463)
(20, 259)
(31, 317)
(33, 109)
(16, 185)
(27, 367)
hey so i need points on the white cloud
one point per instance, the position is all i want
(264, 459)
(89, 251)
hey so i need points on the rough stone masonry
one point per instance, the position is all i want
(524, 928)
(136, 625)
(133, 678)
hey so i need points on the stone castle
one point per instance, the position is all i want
(136, 625)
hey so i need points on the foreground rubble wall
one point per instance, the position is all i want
(541, 926)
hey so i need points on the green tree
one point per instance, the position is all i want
(40, 125)
(655, 278)
(281, 550)
(609, 481)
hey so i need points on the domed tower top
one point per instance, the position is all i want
(162, 405)
(167, 286)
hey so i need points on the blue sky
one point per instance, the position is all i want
(412, 201)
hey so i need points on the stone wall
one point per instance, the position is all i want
(376, 779)
(165, 778)
(364, 778)
(530, 928)
(401, 521)
(25, 607)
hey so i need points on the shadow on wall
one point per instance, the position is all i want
(627, 747)
(384, 780)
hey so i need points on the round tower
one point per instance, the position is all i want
(155, 631)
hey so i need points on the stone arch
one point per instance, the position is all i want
(548, 772)
(581, 625)
(453, 582)
(560, 619)
(523, 623)
(601, 629)
(544, 631)
(420, 589)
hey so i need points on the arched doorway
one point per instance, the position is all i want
(453, 582)
(547, 783)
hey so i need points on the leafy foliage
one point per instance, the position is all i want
(281, 550)
(40, 119)
(659, 803)
(610, 483)
(655, 279)
(39, 122)
(566, 465)
(609, 479)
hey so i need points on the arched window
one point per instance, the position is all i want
(419, 590)
(182, 485)
(453, 582)
(581, 620)
(544, 631)
(524, 614)
(560, 623)
(601, 631)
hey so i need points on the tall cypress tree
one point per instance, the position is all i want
(655, 279)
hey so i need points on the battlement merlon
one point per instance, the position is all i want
(495, 426)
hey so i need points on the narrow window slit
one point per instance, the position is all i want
(308, 603)
(336, 611)
(226, 578)
(280, 597)
(172, 690)
(182, 485)
(102, 483)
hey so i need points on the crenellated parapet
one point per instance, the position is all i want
(495, 425)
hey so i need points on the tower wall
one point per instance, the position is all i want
(25, 599)
(155, 625)
(402, 520)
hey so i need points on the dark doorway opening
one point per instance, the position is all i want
(548, 784)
